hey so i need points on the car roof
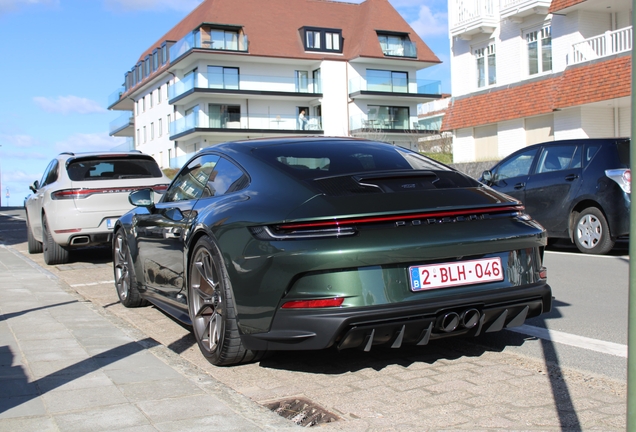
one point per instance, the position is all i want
(252, 144)
(576, 140)
(83, 155)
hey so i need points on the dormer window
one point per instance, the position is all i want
(396, 45)
(322, 39)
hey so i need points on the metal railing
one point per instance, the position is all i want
(468, 10)
(244, 82)
(609, 43)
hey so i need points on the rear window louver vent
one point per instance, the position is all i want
(343, 186)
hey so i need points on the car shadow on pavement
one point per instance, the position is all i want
(17, 390)
(5, 317)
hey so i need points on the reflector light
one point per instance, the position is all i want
(309, 304)
(392, 218)
(74, 230)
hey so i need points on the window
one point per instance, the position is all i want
(152, 131)
(192, 180)
(138, 137)
(396, 45)
(224, 39)
(324, 40)
(155, 60)
(160, 131)
(223, 77)
(539, 43)
(143, 104)
(145, 134)
(388, 117)
(147, 66)
(486, 66)
(50, 174)
(557, 158)
(100, 169)
(159, 94)
(387, 81)
(225, 178)
(140, 72)
(164, 53)
(317, 81)
(224, 116)
(302, 81)
(152, 99)
(516, 166)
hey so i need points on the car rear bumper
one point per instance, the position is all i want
(398, 324)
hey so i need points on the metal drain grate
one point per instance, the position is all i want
(302, 412)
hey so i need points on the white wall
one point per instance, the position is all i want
(511, 137)
(464, 146)
(335, 116)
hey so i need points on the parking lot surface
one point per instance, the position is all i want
(452, 384)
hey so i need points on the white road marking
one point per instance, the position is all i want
(587, 255)
(11, 216)
(92, 283)
(604, 347)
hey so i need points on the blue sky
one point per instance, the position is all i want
(61, 59)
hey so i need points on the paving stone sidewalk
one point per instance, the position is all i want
(67, 365)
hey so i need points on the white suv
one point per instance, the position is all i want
(80, 197)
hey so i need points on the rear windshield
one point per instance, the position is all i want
(309, 161)
(105, 168)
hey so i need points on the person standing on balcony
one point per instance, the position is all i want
(302, 120)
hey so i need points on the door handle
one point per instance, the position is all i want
(520, 185)
(571, 177)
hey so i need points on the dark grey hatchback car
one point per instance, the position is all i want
(577, 189)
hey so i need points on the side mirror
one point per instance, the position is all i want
(35, 186)
(142, 198)
(486, 177)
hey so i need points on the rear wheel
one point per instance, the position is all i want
(125, 278)
(591, 232)
(212, 309)
(53, 253)
(33, 246)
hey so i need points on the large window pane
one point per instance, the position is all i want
(533, 58)
(378, 80)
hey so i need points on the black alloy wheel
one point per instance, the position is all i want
(125, 278)
(211, 307)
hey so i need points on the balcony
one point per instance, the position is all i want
(392, 88)
(123, 125)
(116, 102)
(402, 49)
(206, 39)
(385, 124)
(469, 18)
(253, 85)
(607, 44)
(241, 124)
(126, 146)
(517, 10)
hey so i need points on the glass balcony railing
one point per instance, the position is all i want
(121, 122)
(395, 85)
(403, 49)
(609, 43)
(207, 40)
(244, 82)
(179, 161)
(115, 96)
(383, 123)
(127, 145)
(238, 121)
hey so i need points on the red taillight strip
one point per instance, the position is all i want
(377, 219)
(307, 304)
(84, 193)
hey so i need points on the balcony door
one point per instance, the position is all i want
(387, 81)
(223, 77)
(387, 117)
(224, 116)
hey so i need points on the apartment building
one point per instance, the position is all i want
(239, 69)
(528, 71)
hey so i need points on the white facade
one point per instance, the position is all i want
(508, 30)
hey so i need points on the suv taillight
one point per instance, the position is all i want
(621, 176)
(85, 193)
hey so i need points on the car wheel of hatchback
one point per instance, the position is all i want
(212, 309)
(125, 278)
(591, 232)
(53, 253)
(33, 246)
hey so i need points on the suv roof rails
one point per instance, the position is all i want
(68, 153)
(135, 151)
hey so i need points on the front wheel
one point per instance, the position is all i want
(591, 232)
(212, 309)
(53, 253)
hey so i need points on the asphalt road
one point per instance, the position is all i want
(587, 326)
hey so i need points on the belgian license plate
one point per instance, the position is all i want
(110, 223)
(444, 275)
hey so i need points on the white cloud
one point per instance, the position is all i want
(88, 142)
(69, 104)
(133, 5)
(22, 141)
(10, 5)
(429, 23)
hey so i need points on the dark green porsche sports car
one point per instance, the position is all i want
(310, 243)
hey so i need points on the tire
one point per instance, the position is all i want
(212, 310)
(591, 232)
(33, 246)
(53, 253)
(124, 271)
